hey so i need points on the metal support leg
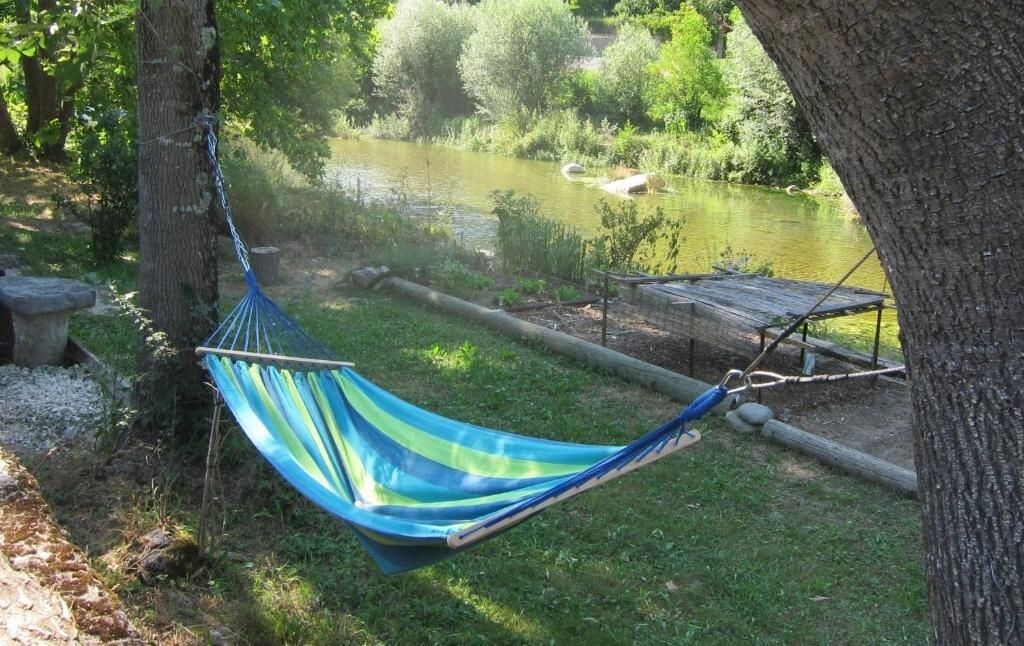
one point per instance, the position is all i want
(604, 314)
(878, 336)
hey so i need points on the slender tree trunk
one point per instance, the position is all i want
(43, 99)
(178, 80)
(919, 108)
(9, 141)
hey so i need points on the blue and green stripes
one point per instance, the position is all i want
(404, 478)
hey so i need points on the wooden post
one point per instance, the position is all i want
(692, 344)
(878, 335)
(604, 314)
(266, 262)
(803, 351)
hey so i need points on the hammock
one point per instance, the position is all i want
(416, 487)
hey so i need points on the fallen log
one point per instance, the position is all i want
(842, 457)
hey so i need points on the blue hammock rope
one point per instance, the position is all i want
(414, 486)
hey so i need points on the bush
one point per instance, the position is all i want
(690, 92)
(107, 172)
(627, 76)
(416, 64)
(630, 239)
(774, 141)
(519, 53)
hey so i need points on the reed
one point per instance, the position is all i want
(528, 241)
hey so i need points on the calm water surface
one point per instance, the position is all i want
(803, 237)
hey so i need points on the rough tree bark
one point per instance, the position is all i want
(178, 80)
(918, 105)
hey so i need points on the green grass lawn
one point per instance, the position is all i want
(731, 542)
(734, 541)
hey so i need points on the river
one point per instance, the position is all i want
(803, 237)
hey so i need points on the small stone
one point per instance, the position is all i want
(756, 414)
(737, 424)
(573, 168)
(156, 539)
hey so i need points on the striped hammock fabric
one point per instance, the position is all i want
(416, 487)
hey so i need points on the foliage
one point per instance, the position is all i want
(630, 240)
(744, 261)
(529, 242)
(273, 204)
(531, 286)
(107, 174)
(416, 63)
(627, 73)
(288, 67)
(774, 141)
(567, 293)
(519, 53)
(690, 91)
(561, 135)
(592, 8)
(508, 297)
(454, 276)
(55, 47)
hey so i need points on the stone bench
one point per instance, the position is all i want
(39, 310)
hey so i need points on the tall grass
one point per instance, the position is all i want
(529, 242)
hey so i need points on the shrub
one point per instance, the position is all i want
(627, 76)
(631, 239)
(744, 261)
(690, 92)
(520, 51)
(774, 141)
(416, 64)
(567, 293)
(531, 286)
(107, 172)
(507, 298)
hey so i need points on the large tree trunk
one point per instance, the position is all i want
(9, 141)
(919, 107)
(178, 80)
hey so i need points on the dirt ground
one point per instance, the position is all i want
(870, 416)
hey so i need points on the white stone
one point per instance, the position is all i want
(573, 168)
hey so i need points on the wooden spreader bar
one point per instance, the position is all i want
(275, 358)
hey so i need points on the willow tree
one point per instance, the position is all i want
(918, 105)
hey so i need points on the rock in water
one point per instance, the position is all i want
(573, 168)
(643, 183)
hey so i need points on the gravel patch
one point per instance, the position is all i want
(42, 408)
